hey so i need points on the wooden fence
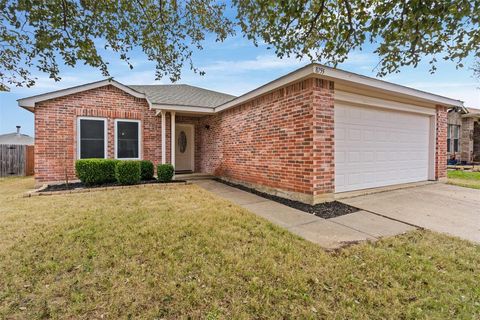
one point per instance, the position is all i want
(16, 160)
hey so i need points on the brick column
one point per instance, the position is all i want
(441, 143)
(323, 140)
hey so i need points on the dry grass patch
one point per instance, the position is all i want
(181, 252)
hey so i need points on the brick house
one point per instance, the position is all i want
(308, 135)
(463, 135)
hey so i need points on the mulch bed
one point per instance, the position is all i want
(80, 185)
(326, 210)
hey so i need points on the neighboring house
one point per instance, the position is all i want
(306, 136)
(17, 138)
(463, 135)
(16, 154)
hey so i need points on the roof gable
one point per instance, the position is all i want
(29, 102)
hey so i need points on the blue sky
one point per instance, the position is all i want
(237, 66)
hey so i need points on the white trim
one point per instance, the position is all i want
(184, 109)
(172, 138)
(140, 144)
(105, 135)
(345, 76)
(337, 75)
(432, 149)
(192, 145)
(164, 139)
(31, 101)
(362, 100)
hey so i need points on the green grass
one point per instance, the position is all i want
(464, 178)
(180, 252)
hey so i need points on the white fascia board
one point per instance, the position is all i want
(345, 76)
(323, 72)
(29, 102)
(184, 109)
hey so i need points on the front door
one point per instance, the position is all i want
(184, 147)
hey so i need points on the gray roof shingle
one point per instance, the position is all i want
(15, 138)
(182, 94)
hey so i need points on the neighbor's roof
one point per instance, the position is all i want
(472, 112)
(15, 138)
(182, 95)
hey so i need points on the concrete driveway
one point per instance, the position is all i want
(438, 207)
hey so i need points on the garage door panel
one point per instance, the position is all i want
(376, 147)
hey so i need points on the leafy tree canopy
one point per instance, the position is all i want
(42, 34)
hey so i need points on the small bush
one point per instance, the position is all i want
(95, 171)
(165, 172)
(146, 168)
(128, 172)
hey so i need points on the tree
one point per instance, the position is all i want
(41, 34)
(403, 32)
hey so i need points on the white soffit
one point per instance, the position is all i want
(184, 109)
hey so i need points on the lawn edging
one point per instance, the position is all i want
(39, 191)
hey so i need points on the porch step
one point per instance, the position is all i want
(193, 176)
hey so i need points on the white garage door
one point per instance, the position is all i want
(379, 147)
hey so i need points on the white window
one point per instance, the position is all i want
(127, 139)
(91, 138)
(453, 138)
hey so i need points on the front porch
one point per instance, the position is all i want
(193, 176)
(187, 142)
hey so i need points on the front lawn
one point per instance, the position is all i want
(181, 252)
(464, 178)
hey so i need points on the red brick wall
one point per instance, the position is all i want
(323, 137)
(270, 141)
(282, 140)
(441, 142)
(56, 135)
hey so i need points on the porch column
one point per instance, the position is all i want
(164, 140)
(172, 136)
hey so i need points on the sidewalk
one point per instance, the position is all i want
(330, 234)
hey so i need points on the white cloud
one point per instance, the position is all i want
(469, 92)
(261, 62)
(361, 59)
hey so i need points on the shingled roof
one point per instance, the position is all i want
(16, 138)
(164, 94)
(182, 94)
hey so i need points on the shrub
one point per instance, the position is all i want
(128, 172)
(95, 171)
(146, 168)
(165, 172)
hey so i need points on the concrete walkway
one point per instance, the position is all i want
(330, 234)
